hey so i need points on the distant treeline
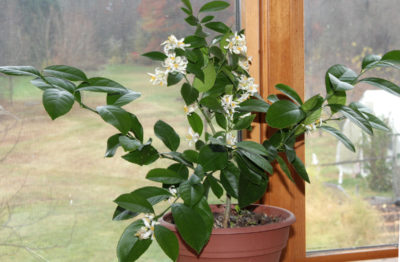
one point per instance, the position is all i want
(88, 33)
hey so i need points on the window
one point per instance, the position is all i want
(56, 187)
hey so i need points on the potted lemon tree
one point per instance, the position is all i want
(218, 92)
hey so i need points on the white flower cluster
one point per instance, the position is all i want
(174, 193)
(247, 84)
(190, 109)
(229, 105)
(172, 64)
(312, 127)
(147, 231)
(231, 139)
(237, 45)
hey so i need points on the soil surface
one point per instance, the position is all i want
(244, 218)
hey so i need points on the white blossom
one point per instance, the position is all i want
(237, 44)
(247, 84)
(175, 63)
(159, 77)
(174, 192)
(147, 231)
(243, 97)
(192, 136)
(245, 62)
(172, 43)
(190, 109)
(231, 139)
(229, 105)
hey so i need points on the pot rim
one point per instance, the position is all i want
(289, 220)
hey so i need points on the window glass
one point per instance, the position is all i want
(351, 201)
(56, 188)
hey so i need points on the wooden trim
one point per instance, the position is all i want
(275, 39)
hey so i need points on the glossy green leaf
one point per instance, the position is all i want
(382, 84)
(300, 169)
(187, 4)
(189, 94)
(195, 69)
(53, 82)
(213, 157)
(103, 85)
(221, 120)
(129, 144)
(191, 191)
(314, 116)
(121, 213)
(376, 122)
(354, 116)
(134, 203)
(66, 72)
(244, 122)
(136, 127)
(112, 145)
(190, 226)
(214, 6)
(218, 27)
(192, 20)
(153, 194)
(195, 41)
(370, 60)
(230, 179)
(312, 103)
(144, 156)
(392, 57)
(340, 136)
(339, 85)
(252, 147)
(203, 209)
(209, 79)
(19, 71)
(167, 134)
(57, 102)
(196, 123)
(259, 161)
(253, 105)
(165, 176)
(191, 155)
(123, 99)
(207, 19)
(215, 186)
(174, 78)
(130, 247)
(167, 241)
(284, 114)
(284, 167)
(250, 192)
(290, 92)
(115, 116)
(212, 103)
(157, 56)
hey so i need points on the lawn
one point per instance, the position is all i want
(56, 188)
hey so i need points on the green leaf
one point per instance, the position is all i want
(187, 11)
(259, 161)
(218, 27)
(314, 116)
(134, 203)
(195, 69)
(203, 209)
(382, 84)
(116, 116)
(273, 98)
(144, 156)
(213, 157)
(209, 79)
(230, 179)
(376, 122)
(129, 144)
(191, 20)
(121, 213)
(174, 78)
(165, 176)
(187, 4)
(19, 70)
(122, 99)
(156, 56)
(250, 192)
(112, 145)
(290, 153)
(195, 41)
(167, 241)
(136, 127)
(340, 136)
(244, 122)
(189, 94)
(66, 72)
(253, 105)
(284, 167)
(290, 92)
(191, 155)
(214, 6)
(339, 85)
(370, 60)
(300, 169)
(215, 186)
(153, 194)
(283, 114)
(312, 103)
(130, 247)
(167, 134)
(207, 19)
(392, 57)
(212, 103)
(180, 169)
(103, 85)
(196, 123)
(179, 158)
(53, 82)
(252, 147)
(190, 226)
(354, 116)
(57, 102)
(221, 120)
(191, 191)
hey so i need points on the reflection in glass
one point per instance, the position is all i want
(351, 201)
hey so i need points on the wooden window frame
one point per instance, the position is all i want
(275, 39)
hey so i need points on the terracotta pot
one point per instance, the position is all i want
(250, 244)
